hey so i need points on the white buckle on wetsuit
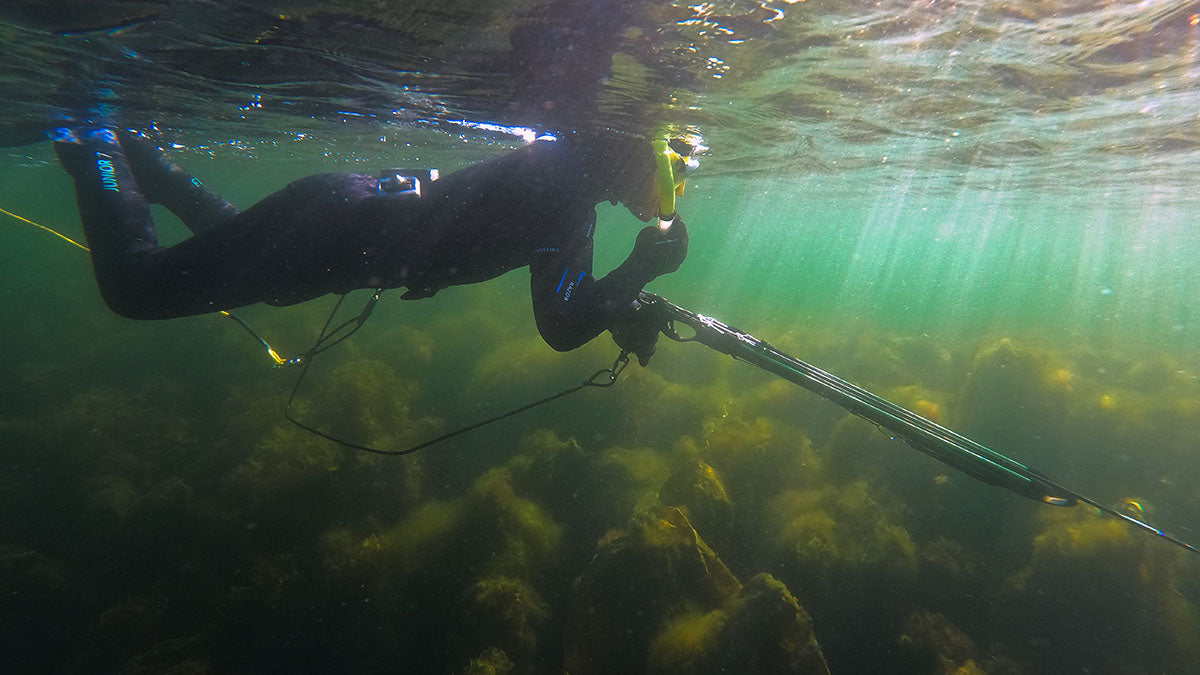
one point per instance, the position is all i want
(404, 182)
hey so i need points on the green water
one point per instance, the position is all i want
(150, 445)
(983, 212)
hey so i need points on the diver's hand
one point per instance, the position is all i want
(658, 251)
(637, 332)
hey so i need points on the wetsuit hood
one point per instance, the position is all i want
(615, 167)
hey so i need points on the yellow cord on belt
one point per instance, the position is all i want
(279, 360)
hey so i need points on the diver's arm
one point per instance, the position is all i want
(571, 306)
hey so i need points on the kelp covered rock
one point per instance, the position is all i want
(656, 567)
(1123, 590)
(286, 465)
(35, 594)
(544, 464)
(508, 613)
(768, 632)
(492, 530)
(656, 410)
(953, 575)
(761, 630)
(626, 481)
(362, 401)
(491, 662)
(699, 492)
(756, 456)
(929, 643)
(110, 501)
(400, 550)
(479, 558)
(1009, 381)
(514, 535)
(840, 536)
(656, 598)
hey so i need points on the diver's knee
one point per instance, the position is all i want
(126, 294)
(125, 306)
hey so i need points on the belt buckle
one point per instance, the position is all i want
(404, 182)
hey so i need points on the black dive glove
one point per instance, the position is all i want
(658, 251)
(637, 331)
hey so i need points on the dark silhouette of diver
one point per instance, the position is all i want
(336, 232)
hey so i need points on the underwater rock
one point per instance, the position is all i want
(169, 657)
(656, 411)
(929, 643)
(110, 501)
(280, 464)
(842, 538)
(756, 457)
(466, 570)
(656, 598)
(289, 464)
(1010, 382)
(544, 463)
(506, 613)
(365, 400)
(1154, 375)
(490, 533)
(36, 594)
(494, 370)
(922, 400)
(131, 624)
(761, 630)
(1123, 591)
(929, 358)
(654, 567)
(698, 491)
(952, 576)
(854, 450)
(621, 482)
(122, 439)
(841, 548)
(403, 549)
(512, 535)
(593, 493)
(491, 662)
(765, 631)
(413, 349)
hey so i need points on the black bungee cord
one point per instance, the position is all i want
(605, 377)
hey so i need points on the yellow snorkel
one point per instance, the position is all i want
(664, 179)
(673, 162)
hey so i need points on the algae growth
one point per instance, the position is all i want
(684, 522)
(160, 515)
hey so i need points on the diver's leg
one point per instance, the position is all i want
(163, 182)
(115, 215)
(138, 278)
(301, 242)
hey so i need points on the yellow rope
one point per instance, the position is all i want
(279, 360)
(53, 232)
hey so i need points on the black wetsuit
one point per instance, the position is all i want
(333, 233)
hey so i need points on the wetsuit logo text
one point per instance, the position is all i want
(108, 174)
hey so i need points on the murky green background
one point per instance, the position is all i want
(985, 213)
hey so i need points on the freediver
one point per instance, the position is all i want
(337, 232)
